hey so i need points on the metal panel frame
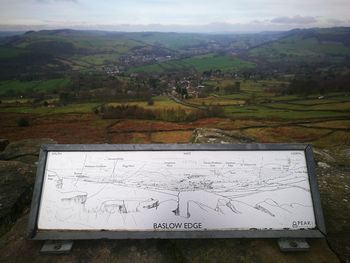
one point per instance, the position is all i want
(34, 233)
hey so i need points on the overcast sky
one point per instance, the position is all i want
(174, 15)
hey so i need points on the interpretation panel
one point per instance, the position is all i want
(182, 190)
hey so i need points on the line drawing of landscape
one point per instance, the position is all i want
(131, 190)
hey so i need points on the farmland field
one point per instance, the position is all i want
(197, 63)
(175, 41)
(98, 60)
(299, 48)
(279, 120)
(160, 103)
(16, 86)
(7, 52)
(100, 87)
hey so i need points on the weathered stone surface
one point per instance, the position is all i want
(25, 150)
(323, 165)
(202, 135)
(169, 251)
(323, 156)
(16, 181)
(334, 157)
(17, 176)
(334, 186)
(343, 157)
(334, 183)
(3, 144)
(346, 153)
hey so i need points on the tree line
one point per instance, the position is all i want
(319, 84)
(126, 111)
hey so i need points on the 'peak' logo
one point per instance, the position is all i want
(301, 224)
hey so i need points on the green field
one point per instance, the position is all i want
(174, 41)
(260, 112)
(8, 52)
(160, 103)
(216, 100)
(299, 48)
(234, 106)
(97, 60)
(16, 86)
(198, 64)
(256, 101)
(70, 108)
(87, 41)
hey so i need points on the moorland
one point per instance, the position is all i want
(150, 87)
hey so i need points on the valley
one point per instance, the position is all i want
(96, 87)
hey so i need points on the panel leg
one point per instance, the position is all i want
(293, 245)
(57, 247)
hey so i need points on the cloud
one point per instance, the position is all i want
(338, 22)
(57, 1)
(295, 20)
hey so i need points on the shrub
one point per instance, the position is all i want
(22, 122)
(172, 114)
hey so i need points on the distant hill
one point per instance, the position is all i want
(67, 49)
(67, 42)
(10, 33)
(93, 41)
(330, 45)
(53, 53)
(48, 52)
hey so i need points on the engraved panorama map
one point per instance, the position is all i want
(176, 190)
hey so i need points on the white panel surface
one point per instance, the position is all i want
(176, 190)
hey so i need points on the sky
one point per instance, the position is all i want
(173, 15)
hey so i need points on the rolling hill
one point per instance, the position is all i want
(197, 64)
(307, 45)
(54, 53)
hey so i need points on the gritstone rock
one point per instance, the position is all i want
(26, 151)
(203, 135)
(3, 144)
(16, 182)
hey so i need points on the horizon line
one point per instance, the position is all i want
(144, 28)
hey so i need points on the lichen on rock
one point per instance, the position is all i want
(25, 150)
(206, 135)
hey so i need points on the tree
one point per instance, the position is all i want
(232, 88)
(65, 98)
(150, 102)
(238, 86)
(22, 122)
(252, 100)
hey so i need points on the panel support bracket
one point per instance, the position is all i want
(293, 245)
(57, 247)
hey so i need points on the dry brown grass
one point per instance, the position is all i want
(146, 125)
(286, 134)
(171, 137)
(63, 128)
(331, 124)
(337, 139)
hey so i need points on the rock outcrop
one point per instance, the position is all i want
(16, 181)
(334, 195)
(203, 135)
(26, 151)
(17, 177)
(333, 176)
(3, 144)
